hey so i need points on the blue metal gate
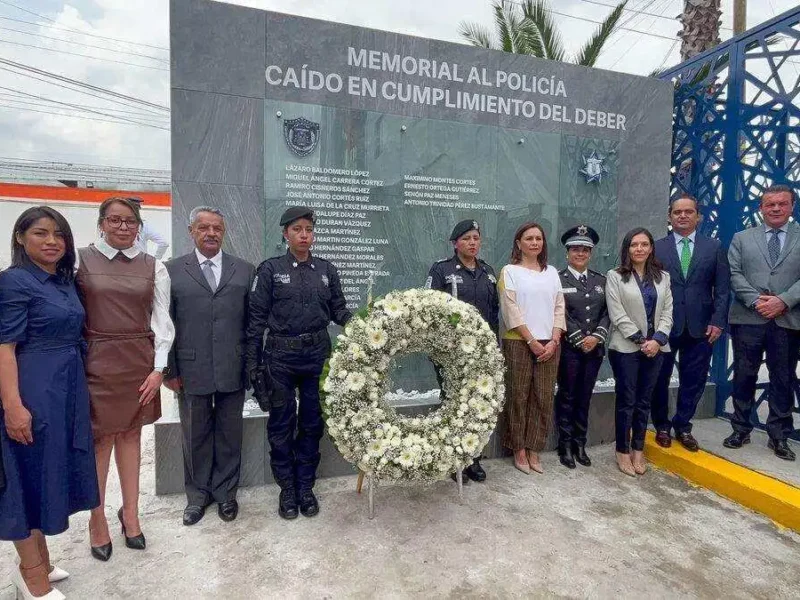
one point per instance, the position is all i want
(736, 130)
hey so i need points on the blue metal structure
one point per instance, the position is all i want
(736, 130)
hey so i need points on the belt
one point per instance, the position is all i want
(296, 342)
(81, 419)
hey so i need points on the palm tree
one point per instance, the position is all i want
(528, 27)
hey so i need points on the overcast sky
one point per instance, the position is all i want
(50, 27)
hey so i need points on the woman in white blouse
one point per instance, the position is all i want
(532, 308)
(125, 293)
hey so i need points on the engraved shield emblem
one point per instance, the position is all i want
(301, 136)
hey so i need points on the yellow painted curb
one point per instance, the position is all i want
(771, 497)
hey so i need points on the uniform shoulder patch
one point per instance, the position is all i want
(441, 260)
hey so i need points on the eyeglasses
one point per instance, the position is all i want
(116, 222)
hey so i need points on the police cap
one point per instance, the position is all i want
(581, 235)
(296, 212)
(463, 227)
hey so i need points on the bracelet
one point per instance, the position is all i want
(530, 341)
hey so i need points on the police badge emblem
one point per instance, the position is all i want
(301, 136)
(594, 167)
(583, 230)
(598, 289)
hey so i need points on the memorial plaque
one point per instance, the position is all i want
(392, 139)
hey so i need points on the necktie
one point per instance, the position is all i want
(209, 275)
(582, 279)
(774, 247)
(686, 256)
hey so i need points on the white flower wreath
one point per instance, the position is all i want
(368, 432)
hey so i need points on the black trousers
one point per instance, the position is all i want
(694, 360)
(750, 342)
(577, 374)
(293, 430)
(212, 445)
(636, 377)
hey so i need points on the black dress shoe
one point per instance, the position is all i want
(308, 504)
(781, 449)
(102, 552)
(579, 454)
(475, 472)
(136, 542)
(663, 439)
(566, 458)
(736, 440)
(228, 510)
(193, 513)
(464, 477)
(687, 441)
(287, 503)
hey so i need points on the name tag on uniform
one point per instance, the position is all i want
(325, 280)
(452, 278)
(281, 278)
(569, 290)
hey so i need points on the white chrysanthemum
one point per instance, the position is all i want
(357, 352)
(327, 387)
(355, 381)
(484, 384)
(376, 448)
(393, 307)
(470, 443)
(377, 338)
(406, 458)
(341, 374)
(483, 411)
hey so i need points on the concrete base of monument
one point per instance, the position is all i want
(255, 448)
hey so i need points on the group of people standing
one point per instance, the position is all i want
(87, 337)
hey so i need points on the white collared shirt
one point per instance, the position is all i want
(576, 274)
(216, 263)
(147, 233)
(679, 242)
(160, 321)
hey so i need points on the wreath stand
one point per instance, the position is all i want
(371, 484)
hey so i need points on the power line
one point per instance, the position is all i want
(643, 12)
(70, 105)
(664, 6)
(41, 16)
(555, 12)
(119, 62)
(82, 84)
(74, 116)
(94, 35)
(106, 48)
(152, 116)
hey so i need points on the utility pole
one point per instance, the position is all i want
(701, 21)
(739, 16)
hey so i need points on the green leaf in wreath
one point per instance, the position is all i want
(454, 319)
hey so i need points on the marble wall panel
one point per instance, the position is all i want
(216, 47)
(217, 138)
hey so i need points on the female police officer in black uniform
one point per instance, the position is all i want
(584, 347)
(295, 298)
(471, 280)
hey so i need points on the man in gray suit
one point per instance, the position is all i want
(210, 297)
(765, 316)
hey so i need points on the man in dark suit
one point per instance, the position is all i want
(210, 296)
(765, 318)
(700, 283)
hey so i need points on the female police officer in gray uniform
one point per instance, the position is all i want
(471, 280)
(295, 297)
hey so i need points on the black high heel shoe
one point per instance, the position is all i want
(103, 552)
(134, 543)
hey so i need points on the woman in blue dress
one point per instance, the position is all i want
(48, 467)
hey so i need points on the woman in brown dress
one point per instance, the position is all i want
(129, 333)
